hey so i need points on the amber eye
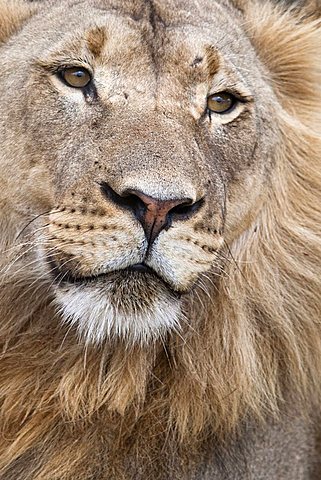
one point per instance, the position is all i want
(220, 102)
(77, 77)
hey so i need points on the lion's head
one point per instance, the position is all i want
(150, 147)
(159, 195)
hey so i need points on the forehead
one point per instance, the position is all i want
(165, 13)
(179, 29)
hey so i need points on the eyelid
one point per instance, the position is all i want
(55, 66)
(62, 67)
(240, 97)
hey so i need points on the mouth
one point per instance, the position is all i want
(136, 272)
(133, 303)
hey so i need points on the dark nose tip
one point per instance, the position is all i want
(154, 214)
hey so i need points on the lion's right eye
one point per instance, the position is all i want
(76, 77)
(221, 102)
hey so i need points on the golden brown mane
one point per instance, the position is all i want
(252, 338)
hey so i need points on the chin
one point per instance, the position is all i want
(134, 307)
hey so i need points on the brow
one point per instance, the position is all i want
(212, 60)
(96, 40)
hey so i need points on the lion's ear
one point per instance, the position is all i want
(13, 13)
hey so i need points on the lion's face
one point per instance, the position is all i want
(141, 179)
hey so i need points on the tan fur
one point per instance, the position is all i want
(249, 342)
(13, 15)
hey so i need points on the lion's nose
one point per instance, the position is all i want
(154, 214)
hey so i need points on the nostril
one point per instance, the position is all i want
(180, 210)
(109, 193)
(184, 210)
(132, 202)
(126, 200)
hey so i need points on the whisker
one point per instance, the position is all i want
(235, 262)
(36, 218)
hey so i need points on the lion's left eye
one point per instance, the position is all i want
(76, 77)
(221, 102)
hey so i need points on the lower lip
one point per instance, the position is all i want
(138, 268)
(68, 278)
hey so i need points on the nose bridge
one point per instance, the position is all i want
(155, 158)
(161, 187)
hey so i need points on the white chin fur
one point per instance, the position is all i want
(97, 316)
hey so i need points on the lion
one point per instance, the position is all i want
(160, 240)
